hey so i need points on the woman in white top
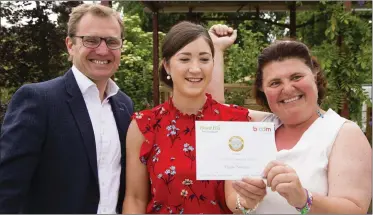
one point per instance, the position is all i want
(323, 161)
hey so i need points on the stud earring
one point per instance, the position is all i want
(168, 77)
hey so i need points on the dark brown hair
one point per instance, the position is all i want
(179, 36)
(283, 50)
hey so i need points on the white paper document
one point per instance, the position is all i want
(233, 150)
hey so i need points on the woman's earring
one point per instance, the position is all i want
(168, 77)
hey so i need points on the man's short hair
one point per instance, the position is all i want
(95, 9)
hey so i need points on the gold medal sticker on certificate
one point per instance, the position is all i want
(236, 143)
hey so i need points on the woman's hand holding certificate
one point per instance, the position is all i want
(250, 190)
(284, 180)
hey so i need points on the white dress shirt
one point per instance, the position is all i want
(107, 140)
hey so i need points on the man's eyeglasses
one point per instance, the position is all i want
(94, 42)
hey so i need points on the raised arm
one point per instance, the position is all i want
(22, 136)
(223, 37)
(137, 177)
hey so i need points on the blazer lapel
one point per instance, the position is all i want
(79, 111)
(122, 119)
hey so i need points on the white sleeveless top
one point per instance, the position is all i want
(309, 158)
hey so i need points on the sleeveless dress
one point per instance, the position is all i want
(169, 154)
(309, 158)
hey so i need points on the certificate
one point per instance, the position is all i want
(233, 150)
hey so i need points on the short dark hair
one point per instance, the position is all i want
(179, 36)
(283, 50)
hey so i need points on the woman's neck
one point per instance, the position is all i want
(301, 126)
(187, 105)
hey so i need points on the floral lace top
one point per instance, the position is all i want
(169, 154)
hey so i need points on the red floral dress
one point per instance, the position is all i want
(169, 154)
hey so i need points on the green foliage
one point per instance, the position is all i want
(134, 76)
(343, 44)
(241, 58)
(6, 94)
(165, 20)
(34, 51)
(236, 97)
(32, 46)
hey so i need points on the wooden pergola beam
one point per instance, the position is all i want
(155, 59)
(224, 6)
(236, 7)
(293, 22)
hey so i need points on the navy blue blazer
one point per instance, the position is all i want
(47, 149)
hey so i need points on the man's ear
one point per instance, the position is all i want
(69, 45)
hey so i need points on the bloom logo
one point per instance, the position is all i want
(265, 129)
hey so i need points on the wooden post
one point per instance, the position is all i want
(155, 59)
(348, 5)
(345, 111)
(293, 23)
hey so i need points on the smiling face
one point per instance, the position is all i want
(290, 89)
(191, 68)
(100, 63)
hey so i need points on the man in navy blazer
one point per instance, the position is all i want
(62, 143)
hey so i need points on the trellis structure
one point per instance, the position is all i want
(195, 7)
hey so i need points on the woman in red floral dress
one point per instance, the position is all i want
(161, 157)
